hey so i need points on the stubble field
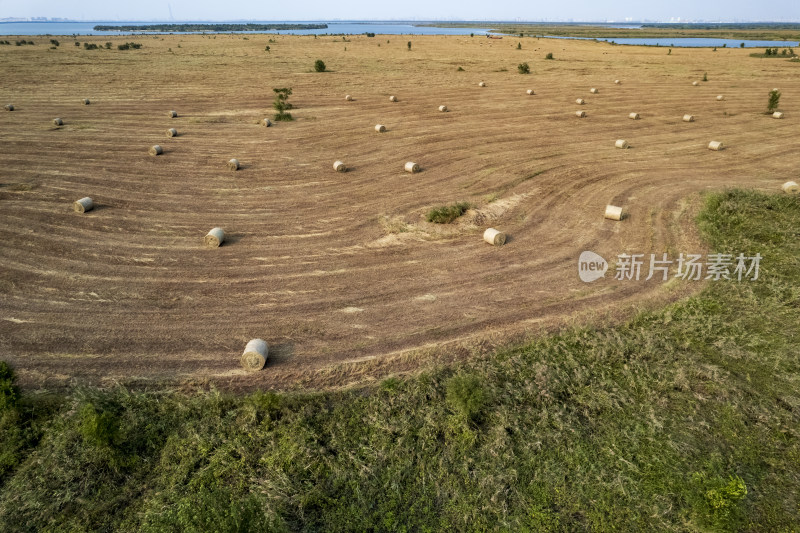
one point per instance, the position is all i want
(340, 272)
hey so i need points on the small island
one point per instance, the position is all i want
(211, 27)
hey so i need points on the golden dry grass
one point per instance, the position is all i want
(334, 268)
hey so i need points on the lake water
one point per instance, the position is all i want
(693, 42)
(386, 28)
(349, 28)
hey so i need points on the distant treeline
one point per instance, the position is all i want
(212, 27)
(727, 26)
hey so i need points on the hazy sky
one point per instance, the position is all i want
(579, 10)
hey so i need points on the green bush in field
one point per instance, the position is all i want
(447, 213)
(774, 101)
(523, 68)
(281, 104)
(319, 65)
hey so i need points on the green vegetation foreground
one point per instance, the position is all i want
(682, 419)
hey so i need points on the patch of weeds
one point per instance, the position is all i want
(446, 214)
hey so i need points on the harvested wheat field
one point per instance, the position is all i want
(340, 272)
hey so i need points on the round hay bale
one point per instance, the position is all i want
(688, 118)
(9, 107)
(443, 108)
(58, 122)
(172, 132)
(580, 114)
(593, 90)
(255, 355)
(720, 97)
(380, 128)
(338, 166)
(790, 187)
(83, 205)
(634, 116)
(412, 167)
(494, 237)
(617, 82)
(393, 98)
(214, 238)
(482, 84)
(86, 101)
(777, 114)
(173, 114)
(621, 143)
(266, 123)
(348, 98)
(695, 83)
(613, 212)
(233, 164)
(715, 145)
(156, 150)
(530, 91)
(580, 101)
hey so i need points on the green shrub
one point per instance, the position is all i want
(447, 213)
(705, 76)
(90, 46)
(519, 46)
(319, 65)
(54, 42)
(409, 45)
(281, 104)
(459, 69)
(549, 55)
(774, 101)
(467, 395)
(523, 68)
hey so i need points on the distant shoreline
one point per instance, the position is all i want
(214, 27)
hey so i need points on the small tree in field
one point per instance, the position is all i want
(774, 100)
(549, 55)
(281, 105)
(523, 68)
(519, 46)
(409, 45)
(319, 65)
